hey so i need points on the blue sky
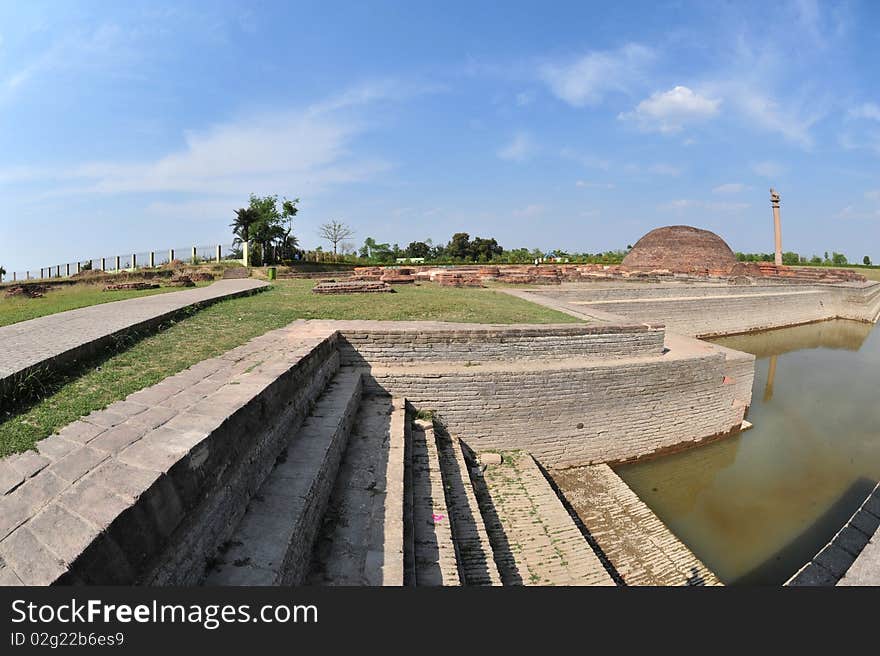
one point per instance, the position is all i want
(142, 125)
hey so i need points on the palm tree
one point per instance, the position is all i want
(245, 218)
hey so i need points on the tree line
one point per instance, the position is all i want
(267, 225)
(790, 258)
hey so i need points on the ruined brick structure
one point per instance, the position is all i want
(682, 249)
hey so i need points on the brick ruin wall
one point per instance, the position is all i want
(409, 342)
(720, 310)
(583, 414)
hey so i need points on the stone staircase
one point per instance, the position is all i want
(366, 493)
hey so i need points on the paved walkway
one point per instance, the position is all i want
(65, 336)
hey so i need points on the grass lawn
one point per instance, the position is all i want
(224, 325)
(63, 298)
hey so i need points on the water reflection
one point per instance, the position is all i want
(757, 506)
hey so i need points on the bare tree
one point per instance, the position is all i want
(335, 232)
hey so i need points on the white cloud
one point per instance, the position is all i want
(588, 161)
(304, 151)
(669, 111)
(594, 185)
(729, 188)
(665, 169)
(525, 98)
(519, 149)
(689, 203)
(768, 169)
(586, 80)
(866, 110)
(530, 210)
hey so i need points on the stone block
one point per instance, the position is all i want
(81, 431)
(63, 533)
(27, 463)
(56, 447)
(10, 478)
(115, 439)
(77, 463)
(31, 561)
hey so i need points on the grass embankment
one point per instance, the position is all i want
(226, 324)
(66, 297)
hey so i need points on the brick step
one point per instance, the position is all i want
(273, 542)
(639, 546)
(535, 540)
(434, 558)
(360, 541)
(476, 561)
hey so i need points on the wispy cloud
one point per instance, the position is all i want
(669, 111)
(664, 169)
(303, 150)
(768, 169)
(729, 188)
(866, 110)
(530, 210)
(586, 80)
(593, 185)
(690, 203)
(519, 149)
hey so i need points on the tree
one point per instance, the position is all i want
(483, 250)
(865, 260)
(789, 258)
(839, 259)
(418, 249)
(268, 225)
(368, 248)
(459, 246)
(335, 232)
(245, 217)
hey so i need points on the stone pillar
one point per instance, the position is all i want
(245, 253)
(68, 269)
(41, 273)
(152, 259)
(134, 260)
(117, 263)
(194, 256)
(78, 267)
(103, 264)
(219, 252)
(777, 226)
(170, 254)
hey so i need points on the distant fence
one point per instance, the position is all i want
(131, 262)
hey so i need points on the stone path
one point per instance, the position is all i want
(64, 336)
(640, 547)
(536, 541)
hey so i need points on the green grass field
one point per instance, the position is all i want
(63, 298)
(224, 325)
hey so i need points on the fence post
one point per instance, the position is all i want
(117, 264)
(219, 251)
(152, 259)
(192, 260)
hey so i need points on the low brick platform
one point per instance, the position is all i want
(352, 287)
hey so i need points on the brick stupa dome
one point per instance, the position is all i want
(682, 249)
